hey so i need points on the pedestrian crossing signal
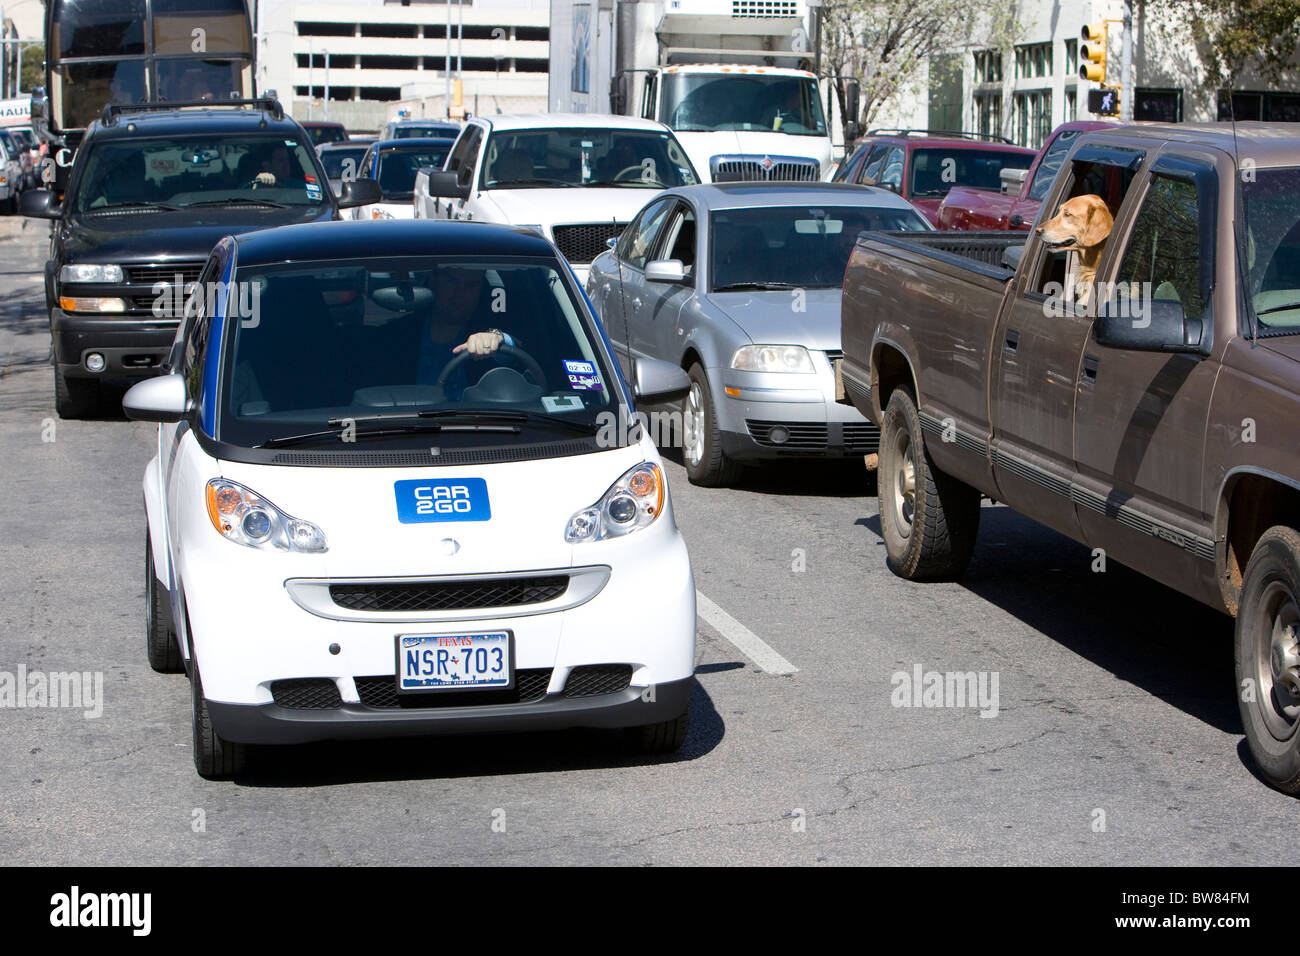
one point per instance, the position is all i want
(1103, 102)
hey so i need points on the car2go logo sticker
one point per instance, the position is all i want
(442, 499)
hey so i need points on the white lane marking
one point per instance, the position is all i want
(745, 640)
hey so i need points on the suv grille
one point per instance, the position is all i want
(306, 693)
(381, 692)
(449, 595)
(581, 244)
(146, 300)
(148, 275)
(592, 680)
(755, 168)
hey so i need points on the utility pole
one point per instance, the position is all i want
(4, 57)
(327, 84)
(1127, 91)
(447, 103)
(311, 79)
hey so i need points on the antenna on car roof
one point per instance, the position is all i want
(1243, 247)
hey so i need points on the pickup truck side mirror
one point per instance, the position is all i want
(41, 204)
(359, 192)
(447, 185)
(851, 131)
(1157, 325)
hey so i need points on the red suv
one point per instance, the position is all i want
(922, 165)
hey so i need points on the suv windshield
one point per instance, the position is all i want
(744, 101)
(1272, 220)
(533, 158)
(180, 171)
(794, 247)
(935, 170)
(371, 342)
(399, 164)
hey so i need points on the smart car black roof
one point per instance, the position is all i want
(383, 239)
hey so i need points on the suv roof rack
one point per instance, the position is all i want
(951, 133)
(267, 104)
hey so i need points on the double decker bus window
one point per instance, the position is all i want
(94, 28)
(200, 26)
(81, 90)
(191, 80)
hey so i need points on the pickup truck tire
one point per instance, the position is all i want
(929, 520)
(702, 449)
(75, 397)
(160, 641)
(1268, 657)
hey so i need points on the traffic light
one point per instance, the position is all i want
(1092, 53)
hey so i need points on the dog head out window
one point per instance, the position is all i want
(1107, 181)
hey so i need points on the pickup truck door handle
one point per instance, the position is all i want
(1012, 341)
(1089, 374)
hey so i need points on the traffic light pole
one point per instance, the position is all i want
(1128, 93)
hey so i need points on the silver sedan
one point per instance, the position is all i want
(739, 284)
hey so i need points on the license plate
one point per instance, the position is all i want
(428, 662)
(442, 499)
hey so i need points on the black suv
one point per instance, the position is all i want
(153, 188)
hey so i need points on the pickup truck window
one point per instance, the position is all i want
(1109, 181)
(1272, 217)
(1163, 253)
(1051, 164)
(464, 154)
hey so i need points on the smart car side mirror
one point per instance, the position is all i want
(162, 399)
(359, 192)
(654, 380)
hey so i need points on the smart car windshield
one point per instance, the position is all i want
(543, 158)
(185, 171)
(329, 352)
(793, 247)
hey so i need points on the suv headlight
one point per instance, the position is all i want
(631, 503)
(245, 517)
(772, 358)
(91, 272)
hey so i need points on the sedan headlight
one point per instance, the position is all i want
(633, 502)
(245, 517)
(91, 272)
(772, 358)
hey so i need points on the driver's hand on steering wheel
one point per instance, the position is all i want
(265, 178)
(480, 344)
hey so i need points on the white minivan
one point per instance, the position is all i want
(397, 491)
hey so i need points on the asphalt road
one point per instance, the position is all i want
(1115, 738)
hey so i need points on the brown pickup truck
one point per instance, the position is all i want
(1156, 423)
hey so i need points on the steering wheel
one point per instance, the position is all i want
(638, 169)
(502, 351)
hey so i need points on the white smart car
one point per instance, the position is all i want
(398, 491)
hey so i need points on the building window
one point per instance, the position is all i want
(988, 114)
(1071, 57)
(1268, 107)
(1163, 106)
(1071, 104)
(1032, 115)
(1033, 60)
(988, 66)
(327, 29)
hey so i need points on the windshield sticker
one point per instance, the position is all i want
(582, 375)
(313, 191)
(562, 403)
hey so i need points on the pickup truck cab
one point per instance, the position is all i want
(972, 207)
(1155, 424)
(577, 178)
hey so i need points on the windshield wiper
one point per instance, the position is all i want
(386, 431)
(756, 285)
(656, 184)
(529, 182)
(136, 205)
(238, 201)
(510, 415)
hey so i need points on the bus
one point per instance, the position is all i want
(133, 51)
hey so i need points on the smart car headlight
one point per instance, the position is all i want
(772, 358)
(242, 515)
(633, 502)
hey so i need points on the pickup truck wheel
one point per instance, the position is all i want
(74, 397)
(928, 519)
(1268, 657)
(701, 445)
(164, 653)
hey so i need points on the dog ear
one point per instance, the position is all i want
(1098, 225)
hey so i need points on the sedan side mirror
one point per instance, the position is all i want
(1157, 325)
(41, 204)
(359, 192)
(447, 185)
(665, 270)
(654, 380)
(161, 399)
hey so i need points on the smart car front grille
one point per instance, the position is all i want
(449, 595)
(592, 680)
(381, 692)
(306, 693)
(583, 243)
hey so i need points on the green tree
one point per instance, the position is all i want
(1232, 37)
(33, 66)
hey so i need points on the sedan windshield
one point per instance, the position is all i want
(544, 158)
(794, 247)
(373, 344)
(936, 170)
(399, 164)
(1272, 221)
(212, 170)
(342, 163)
